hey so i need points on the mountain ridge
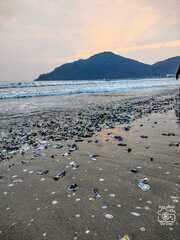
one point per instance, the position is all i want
(108, 65)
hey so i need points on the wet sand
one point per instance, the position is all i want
(107, 203)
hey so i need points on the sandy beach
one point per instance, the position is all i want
(77, 171)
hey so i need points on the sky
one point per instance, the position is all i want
(38, 35)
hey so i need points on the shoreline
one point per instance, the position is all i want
(25, 106)
(87, 118)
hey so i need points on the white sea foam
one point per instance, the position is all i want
(58, 88)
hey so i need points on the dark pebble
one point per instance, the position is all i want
(59, 175)
(73, 187)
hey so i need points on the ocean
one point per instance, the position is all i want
(59, 88)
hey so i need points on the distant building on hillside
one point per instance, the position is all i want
(170, 75)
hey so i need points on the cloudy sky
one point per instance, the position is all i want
(38, 35)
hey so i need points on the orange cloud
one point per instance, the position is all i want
(170, 44)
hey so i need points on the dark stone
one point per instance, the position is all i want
(73, 187)
(59, 175)
(143, 136)
(122, 144)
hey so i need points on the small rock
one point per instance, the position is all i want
(73, 187)
(59, 175)
(143, 136)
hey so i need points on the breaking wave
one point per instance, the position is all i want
(58, 88)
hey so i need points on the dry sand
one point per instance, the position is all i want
(35, 207)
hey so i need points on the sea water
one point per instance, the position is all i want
(58, 88)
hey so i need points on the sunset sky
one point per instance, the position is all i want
(38, 35)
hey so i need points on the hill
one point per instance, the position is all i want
(108, 65)
(168, 66)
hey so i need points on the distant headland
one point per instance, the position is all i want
(107, 65)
